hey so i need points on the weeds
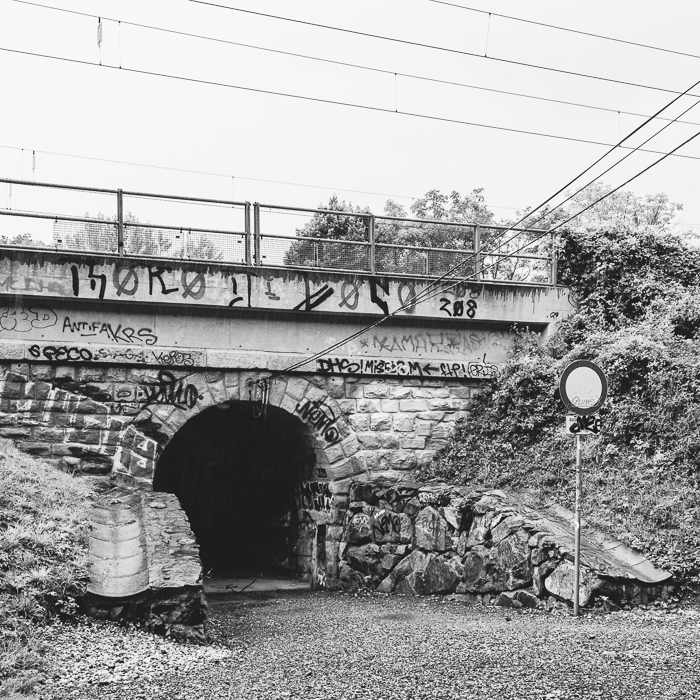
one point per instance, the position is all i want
(43, 558)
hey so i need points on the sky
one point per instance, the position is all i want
(101, 125)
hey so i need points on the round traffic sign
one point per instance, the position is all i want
(583, 387)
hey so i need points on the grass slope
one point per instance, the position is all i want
(43, 555)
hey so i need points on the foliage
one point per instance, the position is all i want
(43, 555)
(638, 317)
(101, 235)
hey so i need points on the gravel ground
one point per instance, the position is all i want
(333, 646)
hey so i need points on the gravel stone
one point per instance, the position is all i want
(369, 646)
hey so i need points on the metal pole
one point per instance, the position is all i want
(256, 234)
(554, 259)
(247, 234)
(372, 246)
(577, 526)
(477, 251)
(120, 222)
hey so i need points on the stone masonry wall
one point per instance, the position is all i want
(117, 420)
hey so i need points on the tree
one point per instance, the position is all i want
(101, 235)
(332, 240)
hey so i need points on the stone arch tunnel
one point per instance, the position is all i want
(116, 366)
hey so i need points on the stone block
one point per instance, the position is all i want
(423, 427)
(442, 431)
(369, 441)
(380, 421)
(400, 392)
(431, 393)
(413, 405)
(389, 441)
(335, 387)
(359, 422)
(432, 416)
(369, 406)
(390, 406)
(439, 577)
(560, 583)
(375, 391)
(334, 453)
(412, 443)
(48, 434)
(403, 423)
(296, 387)
(403, 459)
(365, 558)
(346, 468)
(431, 530)
(354, 390)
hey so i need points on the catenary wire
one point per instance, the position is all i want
(346, 64)
(570, 30)
(320, 100)
(425, 295)
(434, 47)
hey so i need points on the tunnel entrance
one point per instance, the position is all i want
(235, 470)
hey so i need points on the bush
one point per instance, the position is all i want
(43, 558)
(638, 317)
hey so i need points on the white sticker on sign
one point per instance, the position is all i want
(583, 425)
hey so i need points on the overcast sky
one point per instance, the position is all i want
(250, 142)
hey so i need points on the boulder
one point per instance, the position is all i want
(476, 575)
(506, 527)
(365, 558)
(560, 583)
(480, 530)
(359, 528)
(431, 530)
(510, 559)
(411, 585)
(527, 599)
(438, 576)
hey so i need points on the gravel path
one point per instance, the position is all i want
(332, 646)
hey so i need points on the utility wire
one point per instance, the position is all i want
(426, 294)
(434, 47)
(568, 29)
(320, 100)
(346, 64)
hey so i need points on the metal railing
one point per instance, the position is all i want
(267, 235)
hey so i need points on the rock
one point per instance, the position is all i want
(608, 606)
(388, 526)
(506, 528)
(527, 599)
(476, 576)
(480, 530)
(560, 583)
(461, 547)
(366, 558)
(504, 600)
(439, 577)
(510, 562)
(452, 516)
(349, 577)
(540, 573)
(359, 528)
(389, 561)
(412, 507)
(411, 585)
(431, 530)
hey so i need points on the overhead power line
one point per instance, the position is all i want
(434, 47)
(345, 64)
(569, 29)
(321, 100)
(426, 294)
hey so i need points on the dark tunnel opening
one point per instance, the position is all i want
(235, 473)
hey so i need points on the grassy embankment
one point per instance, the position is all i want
(43, 555)
(638, 317)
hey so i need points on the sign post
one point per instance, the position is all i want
(583, 388)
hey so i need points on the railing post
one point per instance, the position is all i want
(477, 251)
(372, 246)
(247, 234)
(554, 259)
(256, 234)
(120, 223)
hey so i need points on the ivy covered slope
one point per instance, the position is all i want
(43, 558)
(638, 317)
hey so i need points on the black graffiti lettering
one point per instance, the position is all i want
(445, 305)
(189, 287)
(93, 281)
(121, 283)
(316, 299)
(314, 495)
(408, 300)
(471, 308)
(75, 280)
(174, 357)
(269, 293)
(375, 282)
(236, 298)
(171, 391)
(61, 353)
(158, 275)
(385, 525)
(590, 423)
(349, 295)
(321, 418)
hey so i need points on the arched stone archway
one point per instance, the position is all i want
(146, 435)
